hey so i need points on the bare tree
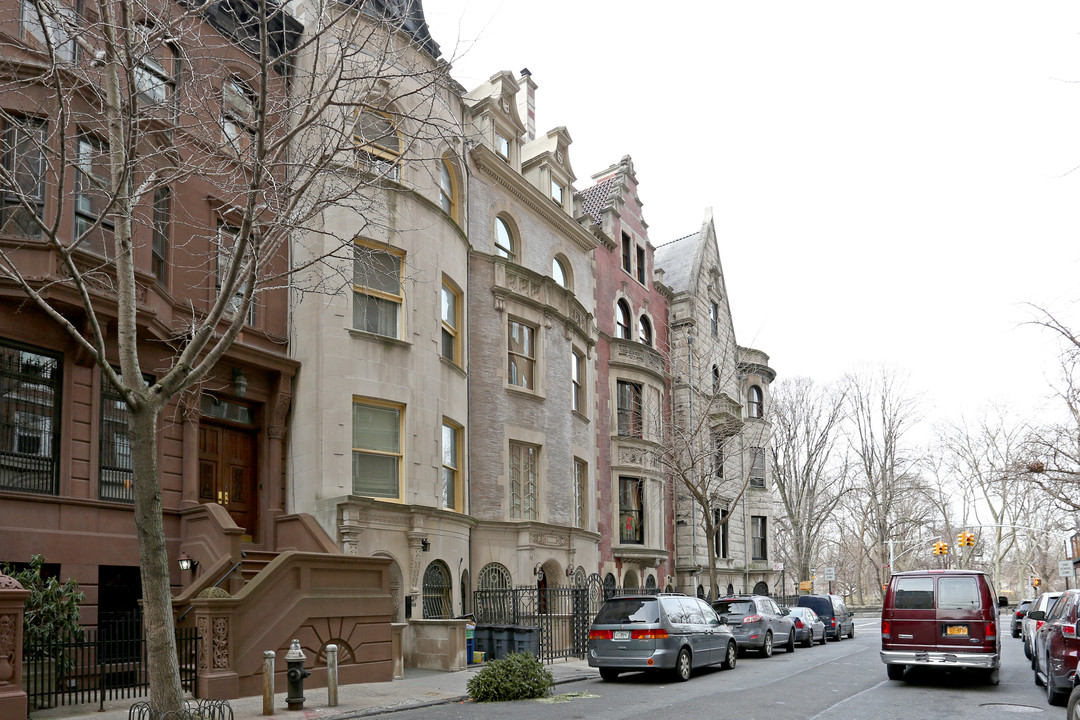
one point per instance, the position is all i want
(888, 491)
(809, 473)
(108, 109)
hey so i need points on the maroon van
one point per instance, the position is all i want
(943, 618)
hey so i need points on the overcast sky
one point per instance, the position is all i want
(890, 181)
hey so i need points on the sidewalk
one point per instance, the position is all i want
(418, 688)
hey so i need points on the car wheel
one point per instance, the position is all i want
(1027, 650)
(823, 638)
(682, 666)
(1074, 704)
(1016, 633)
(895, 672)
(790, 647)
(851, 632)
(766, 645)
(993, 677)
(609, 673)
(809, 641)
(731, 656)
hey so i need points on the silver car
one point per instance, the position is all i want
(757, 622)
(1044, 602)
(666, 632)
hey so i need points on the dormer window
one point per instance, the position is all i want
(502, 147)
(557, 193)
(378, 142)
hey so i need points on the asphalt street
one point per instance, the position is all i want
(842, 680)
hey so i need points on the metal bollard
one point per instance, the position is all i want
(268, 682)
(331, 675)
(295, 660)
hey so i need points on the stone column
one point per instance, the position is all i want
(275, 434)
(12, 601)
(191, 412)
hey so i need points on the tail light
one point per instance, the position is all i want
(599, 634)
(1068, 631)
(1038, 624)
(991, 630)
(751, 619)
(1019, 614)
(832, 622)
(648, 635)
(885, 629)
(798, 623)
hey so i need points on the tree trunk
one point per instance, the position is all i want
(166, 694)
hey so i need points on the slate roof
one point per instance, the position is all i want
(676, 259)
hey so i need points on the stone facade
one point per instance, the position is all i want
(720, 401)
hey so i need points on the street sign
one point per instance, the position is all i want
(830, 574)
(806, 585)
(778, 567)
(1065, 568)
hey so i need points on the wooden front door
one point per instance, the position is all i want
(228, 473)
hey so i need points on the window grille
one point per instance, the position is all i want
(29, 420)
(437, 591)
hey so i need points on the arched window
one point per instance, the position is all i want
(755, 405)
(448, 188)
(645, 331)
(580, 578)
(238, 114)
(493, 576)
(558, 273)
(623, 320)
(504, 240)
(701, 591)
(650, 583)
(437, 602)
(377, 140)
(761, 588)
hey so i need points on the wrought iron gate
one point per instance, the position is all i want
(561, 615)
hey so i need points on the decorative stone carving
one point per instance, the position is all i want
(204, 642)
(539, 538)
(221, 643)
(9, 583)
(7, 648)
(281, 410)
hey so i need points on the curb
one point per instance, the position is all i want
(371, 712)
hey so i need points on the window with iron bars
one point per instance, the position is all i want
(29, 419)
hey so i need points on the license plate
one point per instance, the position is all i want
(956, 630)
(622, 634)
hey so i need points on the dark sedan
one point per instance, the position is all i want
(809, 628)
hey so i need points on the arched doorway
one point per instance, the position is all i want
(761, 588)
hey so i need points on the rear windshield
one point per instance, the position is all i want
(914, 593)
(1050, 603)
(733, 607)
(958, 593)
(629, 610)
(821, 606)
(1024, 605)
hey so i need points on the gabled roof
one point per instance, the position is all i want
(599, 197)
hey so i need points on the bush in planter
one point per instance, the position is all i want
(518, 676)
(51, 613)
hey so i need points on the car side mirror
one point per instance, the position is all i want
(1003, 601)
(785, 611)
(1037, 614)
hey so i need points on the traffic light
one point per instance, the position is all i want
(941, 548)
(1035, 582)
(965, 539)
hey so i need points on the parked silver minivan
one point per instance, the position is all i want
(670, 632)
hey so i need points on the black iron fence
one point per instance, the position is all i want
(99, 664)
(560, 616)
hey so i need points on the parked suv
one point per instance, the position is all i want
(1029, 625)
(832, 610)
(941, 618)
(1056, 647)
(1018, 617)
(669, 631)
(756, 622)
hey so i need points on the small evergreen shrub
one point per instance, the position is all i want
(518, 676)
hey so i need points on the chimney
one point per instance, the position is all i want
(526, 101)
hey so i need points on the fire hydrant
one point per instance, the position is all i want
(294, 659)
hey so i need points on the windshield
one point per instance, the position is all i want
(628, 610)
